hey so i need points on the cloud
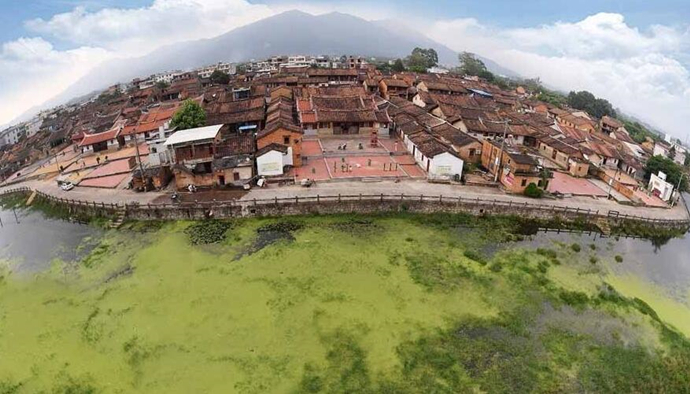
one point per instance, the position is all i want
(645, 73)
(31, 71)
(139, 30)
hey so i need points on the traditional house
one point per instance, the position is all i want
(468, 148)
(565, 153)
(393, 87)
(336, 112)
(439, 160)
(513, 169)
(100, 142)
(272, 159)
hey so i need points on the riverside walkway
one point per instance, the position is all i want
(388, 188)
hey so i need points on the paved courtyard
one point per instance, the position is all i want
(353, 157)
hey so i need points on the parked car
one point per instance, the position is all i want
(67, 186)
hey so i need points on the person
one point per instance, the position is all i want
(98, 160)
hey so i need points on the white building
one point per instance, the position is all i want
(438, 160)
(659, 187)
(272, 160)
(12, 135)
(159, 154)
(228, 68)
(167, 77)
(33, 126)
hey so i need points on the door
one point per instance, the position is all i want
(236, 176)
(221, 180)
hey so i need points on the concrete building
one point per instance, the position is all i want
(228, 68)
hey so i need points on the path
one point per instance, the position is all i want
(408, 187)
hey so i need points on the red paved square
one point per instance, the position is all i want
(312, 168)
(364, 166)
(566, 184)
(109, 182)
(113, 167)
(311, 148)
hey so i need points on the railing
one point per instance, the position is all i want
(247, 205)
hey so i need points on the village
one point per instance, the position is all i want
(290, 122)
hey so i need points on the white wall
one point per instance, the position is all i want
(270, 163)
(445, 166)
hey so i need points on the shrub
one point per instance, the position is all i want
(575, 247)
(533, 191)
(207, 232)
(619, 258)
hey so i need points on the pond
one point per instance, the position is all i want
(393, 303)
(32, 242)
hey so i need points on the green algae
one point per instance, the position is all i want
(347, 304)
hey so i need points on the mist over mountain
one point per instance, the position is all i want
(292, 32)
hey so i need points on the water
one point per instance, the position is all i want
(31, 242)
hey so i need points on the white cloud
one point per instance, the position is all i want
(137, 31)
(642, 72)
(31, 71)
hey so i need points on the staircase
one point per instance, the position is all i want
(119, 218)
(31, 198)
(604, 226)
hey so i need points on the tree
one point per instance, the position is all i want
(422, 59)
(586, 101)
(162, 85)
(638, 132)
(533, 191)
(471, 65)
(191, 115)
(398, 66)
(672, 170)
(220, 78)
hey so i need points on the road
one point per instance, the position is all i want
(408, 187)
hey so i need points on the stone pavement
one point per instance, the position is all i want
(483, 193)
(408, 187)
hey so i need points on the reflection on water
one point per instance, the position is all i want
(30, 241)
(667, 266)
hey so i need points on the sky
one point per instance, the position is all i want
(635, 53)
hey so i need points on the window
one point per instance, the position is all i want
(472, 152)
(523, 183)
(153, 149)
(540, 183)
(286, 140)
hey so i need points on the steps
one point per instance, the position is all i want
(31, 198)
(119, 218)
(604, 226)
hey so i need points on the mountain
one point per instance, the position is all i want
(292, 32)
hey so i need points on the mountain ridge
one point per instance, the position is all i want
(290, 32)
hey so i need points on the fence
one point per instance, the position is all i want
(344, 203)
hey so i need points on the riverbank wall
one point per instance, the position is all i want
(348, 204)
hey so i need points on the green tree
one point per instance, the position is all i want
(672, 170)
(220, 78)
(586, 101)
(471, 65)
(398, 66)
(422, 59)
(191, 115)
(638, 132)
(533, 191)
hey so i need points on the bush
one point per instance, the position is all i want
(619, 258)
(207, 232)
(575, 247)
(532, 191)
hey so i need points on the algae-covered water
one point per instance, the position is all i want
(346, 304)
